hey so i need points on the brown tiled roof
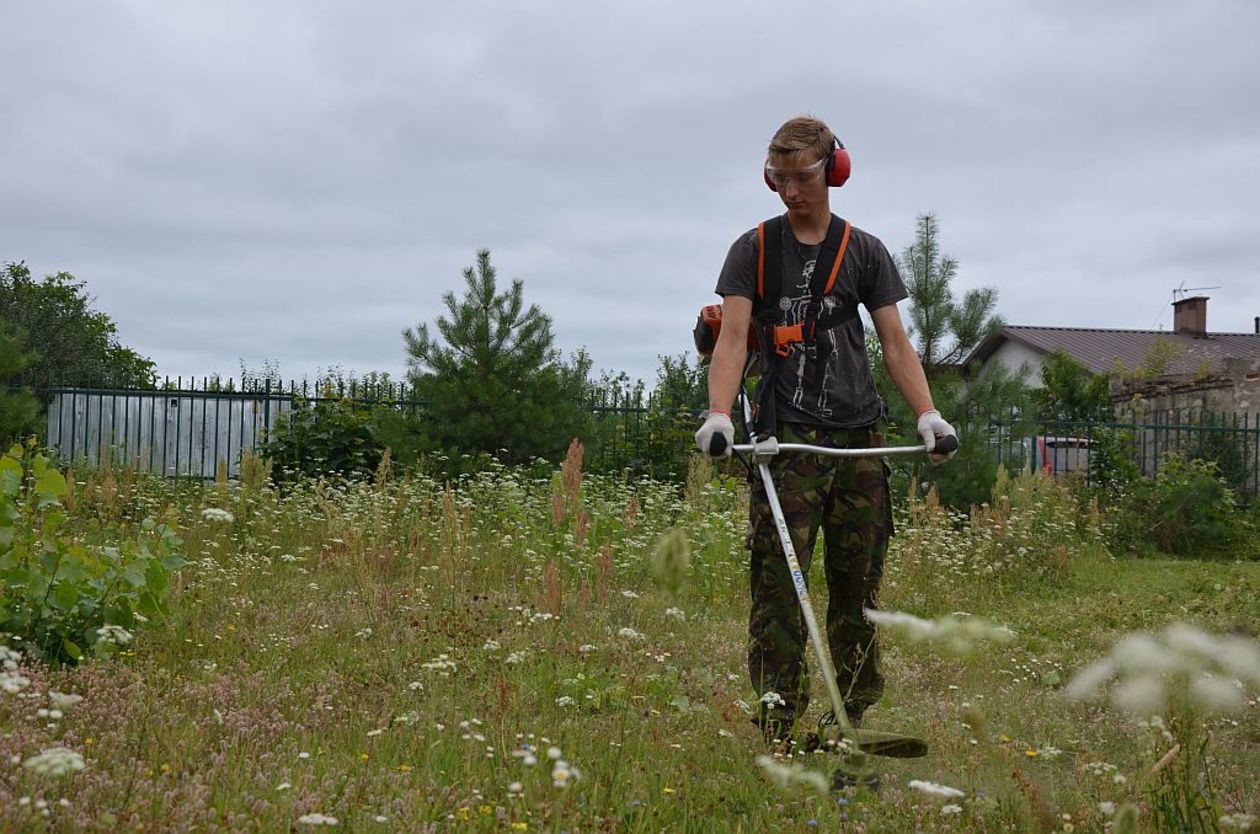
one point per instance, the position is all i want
(1100, 350)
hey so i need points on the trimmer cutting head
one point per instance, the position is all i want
(831, 738)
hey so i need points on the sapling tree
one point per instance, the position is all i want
(945, 330)
(495, 380)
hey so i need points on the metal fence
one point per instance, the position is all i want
(200, 428)
(1230, 440)
(182, 427)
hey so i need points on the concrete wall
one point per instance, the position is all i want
(1235, 391)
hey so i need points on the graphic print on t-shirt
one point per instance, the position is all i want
(794, 308)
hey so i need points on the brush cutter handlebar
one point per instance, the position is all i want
(717, 448)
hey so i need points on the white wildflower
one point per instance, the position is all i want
(442, 664)
(587, 647)
(515, 658)
(1141, 653)
(947, 810)
(515, 787)
(9, 659)
(1143, 695)
(491, 646)
(1238, 822)
(317, 819)
(562, 773)
(629, 595)
(554, 753)
(1107, 809)
(933, 789)
(958, 633)
(115, 634)
(772, 699)
(676, 613)
(1215, 694)
(1190, 640)
(785, 776)
(629, 634)
(55, 761)
(1240, 658)
(1090, 680)
(216, 514)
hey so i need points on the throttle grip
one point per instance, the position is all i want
(717, 445)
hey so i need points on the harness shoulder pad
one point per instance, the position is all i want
(769, 263)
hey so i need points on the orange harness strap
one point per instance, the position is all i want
(835, 269)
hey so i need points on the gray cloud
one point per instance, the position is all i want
(300, 181)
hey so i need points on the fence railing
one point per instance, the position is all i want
(200, 427)
(1230, 440)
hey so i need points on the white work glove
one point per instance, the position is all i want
(933, 428)
(716, 424)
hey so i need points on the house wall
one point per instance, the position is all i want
(1013, 356)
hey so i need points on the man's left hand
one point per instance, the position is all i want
(932, 427)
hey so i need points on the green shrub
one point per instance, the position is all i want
(19, 410)
(62, 598)
(327, 437)
(1187, 509)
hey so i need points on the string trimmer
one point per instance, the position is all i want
(873, 742)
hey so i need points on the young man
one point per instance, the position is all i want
(818, 390)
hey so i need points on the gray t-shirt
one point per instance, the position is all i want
(843, 395)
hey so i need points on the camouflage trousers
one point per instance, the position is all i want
(849, 500)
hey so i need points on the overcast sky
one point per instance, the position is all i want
(296, 182)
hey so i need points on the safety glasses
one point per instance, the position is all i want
(807, 175)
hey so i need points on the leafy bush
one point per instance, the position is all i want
(327, 437)
(1187, 509)
(61, 598)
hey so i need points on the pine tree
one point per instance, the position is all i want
(495, 380)
(945, 331)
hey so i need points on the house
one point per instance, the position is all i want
(1187, 368)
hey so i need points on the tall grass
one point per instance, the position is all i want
(505, 652)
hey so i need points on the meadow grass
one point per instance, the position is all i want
(509, 653)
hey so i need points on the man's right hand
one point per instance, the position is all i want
(716, 425)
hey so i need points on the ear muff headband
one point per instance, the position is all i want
(839, 166)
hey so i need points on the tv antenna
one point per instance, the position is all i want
(1181, 291)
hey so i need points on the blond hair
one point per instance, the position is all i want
(800, 134)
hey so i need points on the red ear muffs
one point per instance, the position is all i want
(841, 165)
(838, 169)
